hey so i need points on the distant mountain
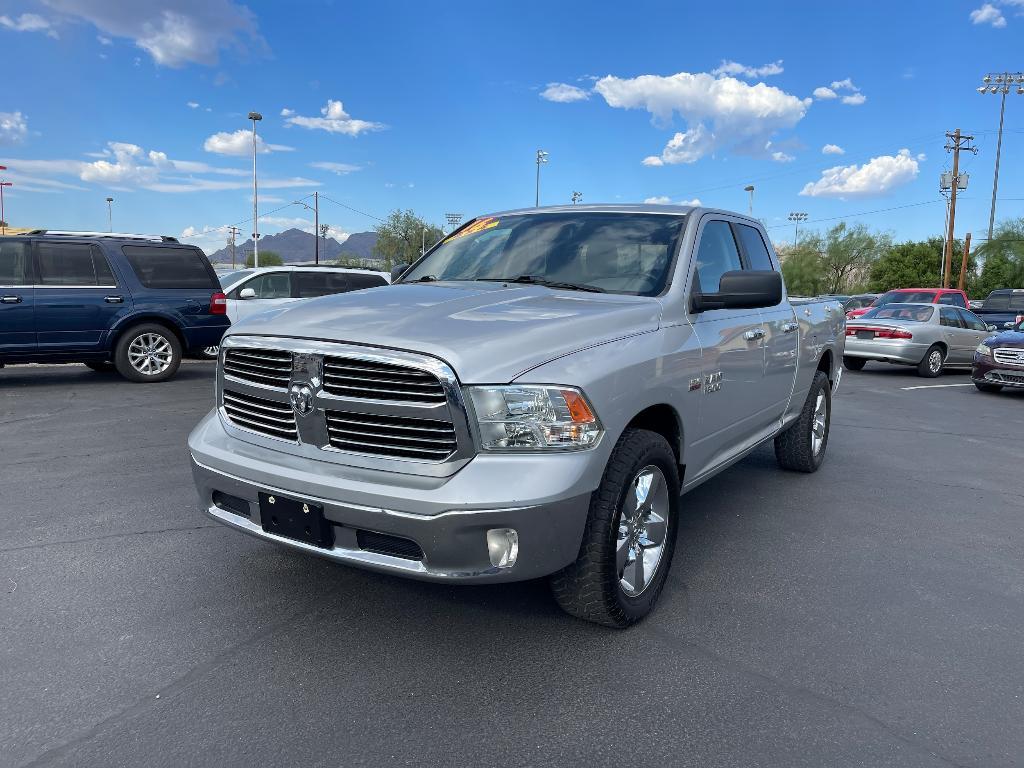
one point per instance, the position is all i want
(294, 245)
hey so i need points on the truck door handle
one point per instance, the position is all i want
(790, 327)
(11, 299)
(754, 333)
(113, 299)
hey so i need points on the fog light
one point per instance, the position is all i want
(502, 547)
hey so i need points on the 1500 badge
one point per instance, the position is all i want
(713, 382)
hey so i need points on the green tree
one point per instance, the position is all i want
(845, 255)
(267, 259)
(349, 260)
(1002, 259)
(802, 271)
(918, 264)
(399, 238)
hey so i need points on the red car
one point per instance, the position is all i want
(916, 296)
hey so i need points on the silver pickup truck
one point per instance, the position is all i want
(531, 398)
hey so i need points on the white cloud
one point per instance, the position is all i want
(104, 40)
(854, 99)
(125, 167)
(193, 104)
(734, 68)
(782, 157)
(192, 32)
(287, 112)
(666, 200)
(239, 144)
(844, 85)
(824, 93)
(29, 22)
(13, 127)
(564, 93)
(988, 14)
(721, 112)
(878, 176)
(335, 120)
(339, 168)
(921, 157)
(832, 149)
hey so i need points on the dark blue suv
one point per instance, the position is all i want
(133, 303)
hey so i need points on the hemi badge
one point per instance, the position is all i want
(694, 385)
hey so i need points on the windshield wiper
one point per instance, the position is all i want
(425, 279)
(535, 280)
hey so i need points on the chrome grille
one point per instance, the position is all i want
(1008, 355)
(398, 436)
(259, 415)
(272, 367)
(374, 380)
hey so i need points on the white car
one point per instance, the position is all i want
(250, 291)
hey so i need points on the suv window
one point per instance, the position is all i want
(164, 267)
(269, 285)
(972, 321)
(14, 269)
(310, 284)
(77, 264)
(954, 299)
(949, 317)
(753, 244)
(356, 281)
(716, 255)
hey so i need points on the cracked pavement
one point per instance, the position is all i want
(871, 614)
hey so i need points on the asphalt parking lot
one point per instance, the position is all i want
(871, 614)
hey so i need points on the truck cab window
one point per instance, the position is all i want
(716, 255)
(753, 244)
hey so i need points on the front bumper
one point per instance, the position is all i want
(887, 350)
(545, 499)
(987, 372)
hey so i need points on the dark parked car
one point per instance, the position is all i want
(133, 303)
(999, 361)
(1004, 308)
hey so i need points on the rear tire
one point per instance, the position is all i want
(990, 388)
(932, 362)
(103, 366)
(853, 363)
(147, 353)
(629, 538)
(801, 447)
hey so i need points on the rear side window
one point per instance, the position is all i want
(72, 264)
(753, 244)
(716, 255)
(997, 301)
(310, 284)
(14, 269)
(163, 267)
(357, 281)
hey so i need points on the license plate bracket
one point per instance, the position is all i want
(865, 334)
(294, 519)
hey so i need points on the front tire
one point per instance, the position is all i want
(853, 363)
(629, 538)
(990, 388)
(147, 353)
(801, 447)
(932, 362)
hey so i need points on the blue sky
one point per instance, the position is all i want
(441, 107)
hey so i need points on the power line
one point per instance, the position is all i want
(356, 210)
(862, 213)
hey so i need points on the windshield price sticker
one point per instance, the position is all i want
(477, 226)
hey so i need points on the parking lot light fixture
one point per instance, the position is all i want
(542, 157)
(255, 117)
(110, 214)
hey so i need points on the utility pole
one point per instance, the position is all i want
(1003, 81)
(234, 231)
(954, 143)
(962, 284)
(316, 228)
(542, 157)
(323, 229)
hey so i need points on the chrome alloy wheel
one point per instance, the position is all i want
(150, 354)
(935, 361)
(819, 425)
(643, 529)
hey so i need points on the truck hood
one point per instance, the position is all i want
(487, 332)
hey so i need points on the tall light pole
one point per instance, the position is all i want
(3, 218)
(323, 229)
(750, 188)
(453, 219)
(999, 82)
(110, 214)
(577, 197)
(542, 157)
(255, 117)
(315, 208)
(796, 217)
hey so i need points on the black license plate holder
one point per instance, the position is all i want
(294, 519)
(865, 334)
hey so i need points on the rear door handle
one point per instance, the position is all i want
(754, 333)
(113, 299)
(11, 299)
(790, 327)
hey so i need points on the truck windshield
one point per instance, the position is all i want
(628, 253)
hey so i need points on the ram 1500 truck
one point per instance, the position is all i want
(530, 399)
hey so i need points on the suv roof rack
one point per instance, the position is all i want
(113, 235)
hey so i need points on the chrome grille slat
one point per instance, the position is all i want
(331, 363)
(337, 419)
(1008, 355)
(269, 367)
(259, 415)
(390, 435)
(405, 438)
(371, 380)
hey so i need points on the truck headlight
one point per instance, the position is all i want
(527, 417)
(983, 350)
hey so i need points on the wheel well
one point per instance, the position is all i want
(664, 420)
(825, 364)
(144, 320)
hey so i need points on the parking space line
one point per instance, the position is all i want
(937, 386)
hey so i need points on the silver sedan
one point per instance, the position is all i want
(928, 336)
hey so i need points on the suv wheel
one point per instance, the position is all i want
(802, 446)
(853, 363)
(147, 353)
(629, 538)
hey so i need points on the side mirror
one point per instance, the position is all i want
(991, 327)
(742, 289)
(397, 271)
(247, 293)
